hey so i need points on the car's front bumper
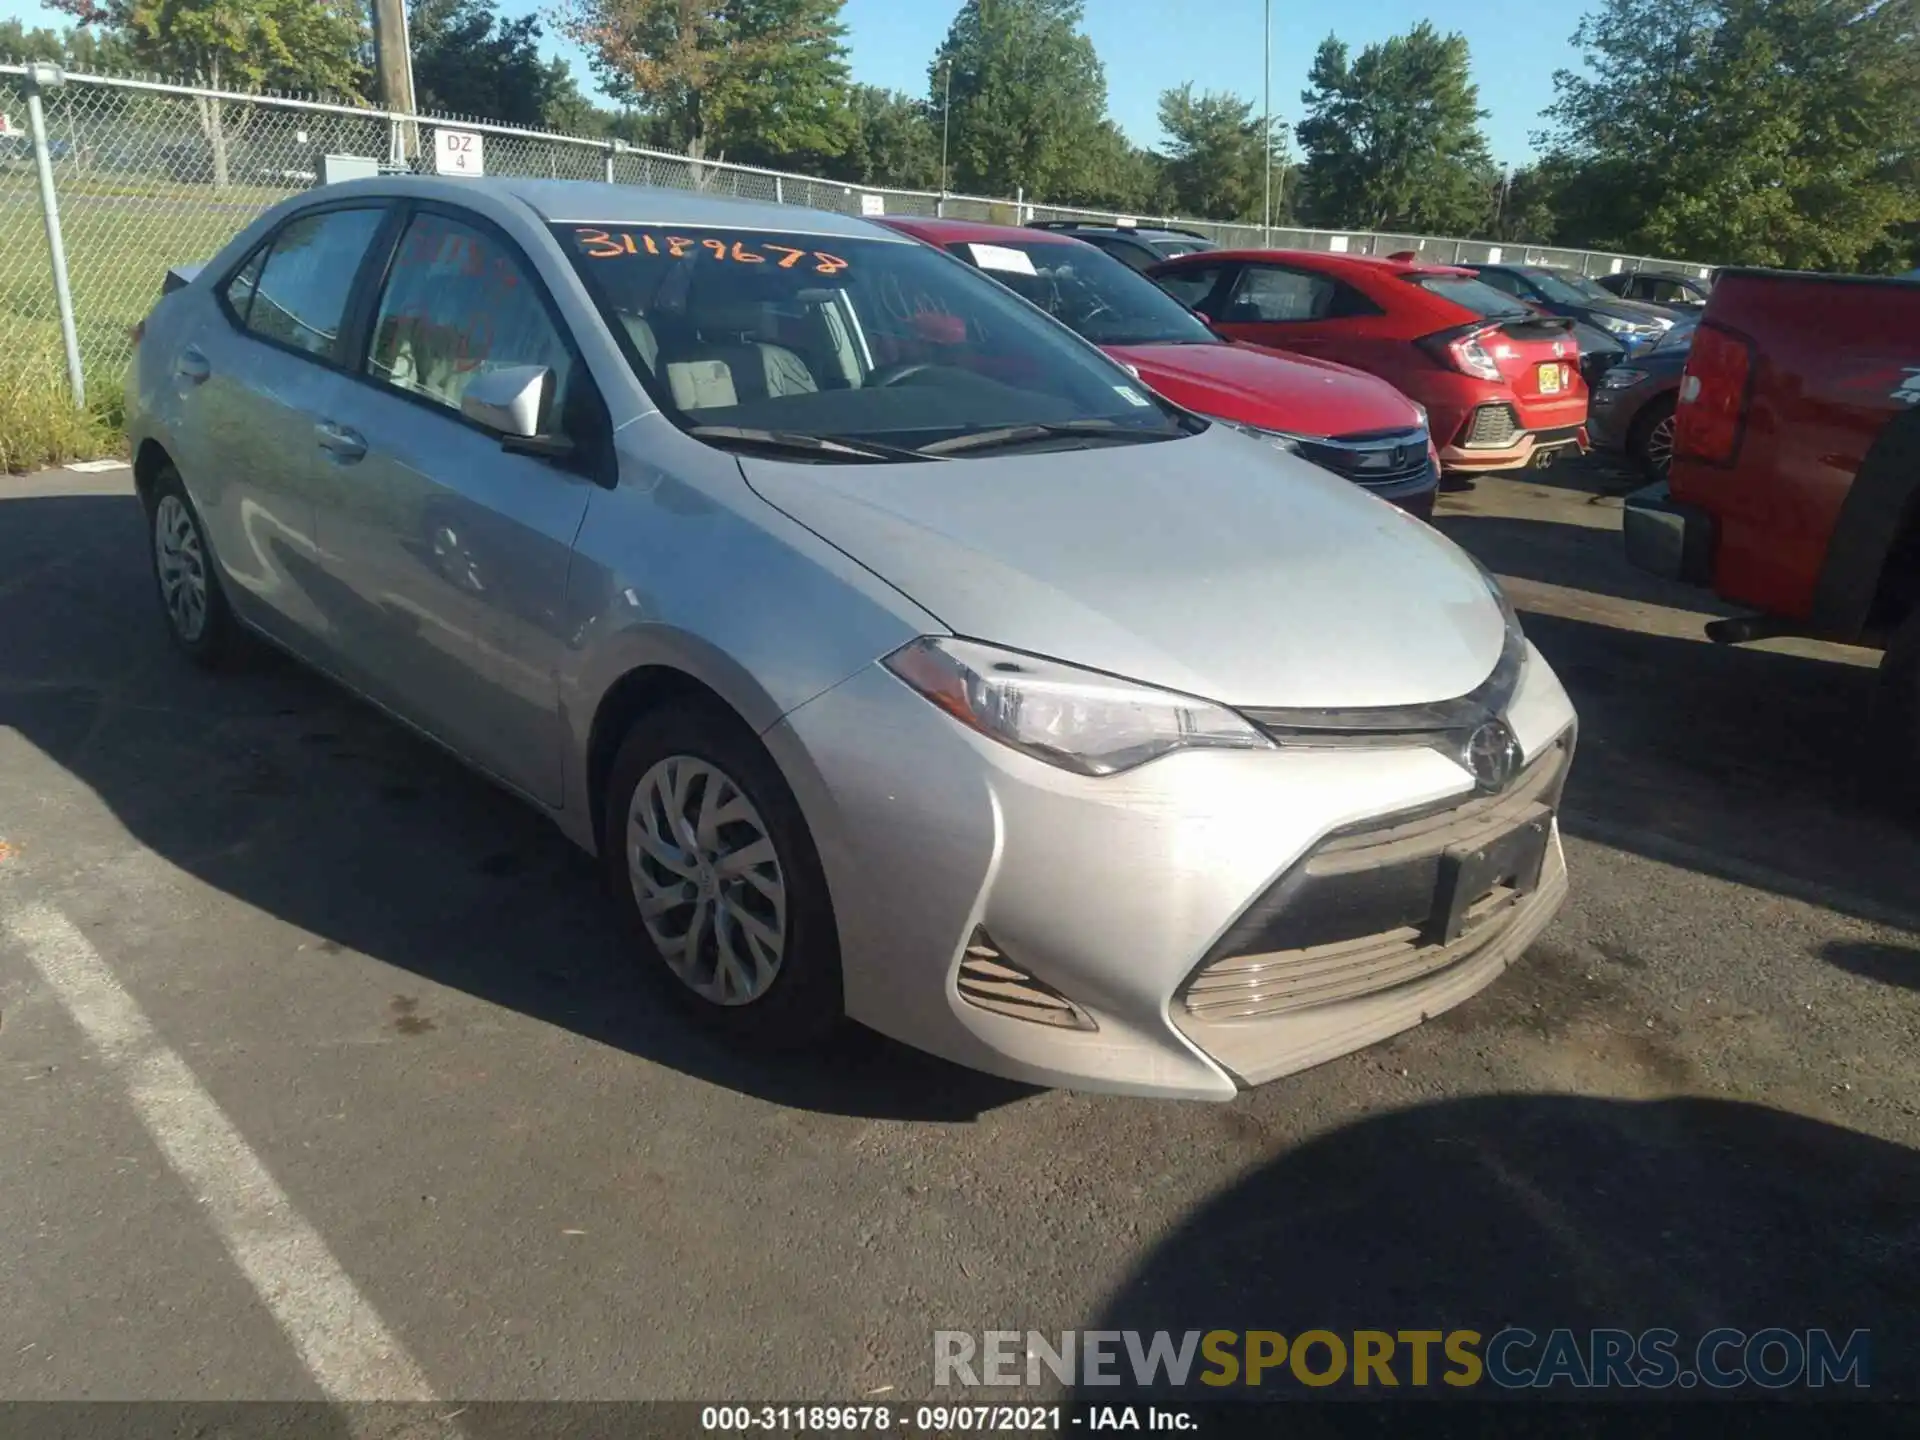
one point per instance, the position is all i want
(1115, 892)
(1667, 538)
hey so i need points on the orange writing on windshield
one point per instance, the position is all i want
(616, 245)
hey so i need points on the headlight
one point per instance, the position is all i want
(1614, 327)
(1421, 411)
(1079, 720)
(1621, 377)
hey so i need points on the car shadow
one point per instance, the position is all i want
(1576, 557)
(1550, 1211)
(1897, 965)
(1741, 763)
(277, 788)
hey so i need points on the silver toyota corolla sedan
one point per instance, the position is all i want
(901, 656)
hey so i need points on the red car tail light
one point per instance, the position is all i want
(1711, 408)
(1465, 350)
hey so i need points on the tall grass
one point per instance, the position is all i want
(40, 424)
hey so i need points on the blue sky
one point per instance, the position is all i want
(1516, 44)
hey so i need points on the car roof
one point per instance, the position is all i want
(947, 232)
(1330, 261)
(592, 201)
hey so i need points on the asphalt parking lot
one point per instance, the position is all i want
(323, 1072)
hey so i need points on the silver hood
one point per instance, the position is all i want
(1214, 565)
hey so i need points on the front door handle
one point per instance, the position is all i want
(343, 442)
(192, 365)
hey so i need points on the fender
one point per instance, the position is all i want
(1882, 502)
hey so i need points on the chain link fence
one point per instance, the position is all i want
(149, 175)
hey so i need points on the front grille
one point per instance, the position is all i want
(1359, 914)
(1493, 427)
(992, 982)
(1376, 460)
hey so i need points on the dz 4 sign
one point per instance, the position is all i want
(457, 152)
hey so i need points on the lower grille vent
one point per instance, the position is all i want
(990, 981)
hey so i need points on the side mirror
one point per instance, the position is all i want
(509, 400)
(1206, 320)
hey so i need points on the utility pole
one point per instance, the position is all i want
(1266, 134)
(393, 57)
(946, 109)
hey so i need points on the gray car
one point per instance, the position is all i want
(900, 656)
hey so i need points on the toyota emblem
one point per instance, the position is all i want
(1491, 755)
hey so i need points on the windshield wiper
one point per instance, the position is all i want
(1006, 436)
(796, 442)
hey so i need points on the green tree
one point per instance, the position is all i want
(317, 46)
(76, 47)
(1216, 166)
(1029, 98)
(894, 141)
(467, 60)
(1766, 132)
(1392, 139)
(757, 80)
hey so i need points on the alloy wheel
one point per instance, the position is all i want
(707, 880)
(1660, 445)
(180, 562)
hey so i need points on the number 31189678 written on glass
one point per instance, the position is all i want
(612, 245)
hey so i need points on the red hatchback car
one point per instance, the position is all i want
(1501, 384)
(1346, 421)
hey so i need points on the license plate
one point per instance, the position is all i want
(1469, 874)
(1549, 379)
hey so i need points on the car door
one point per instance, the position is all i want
(451, 552)
(255, 378)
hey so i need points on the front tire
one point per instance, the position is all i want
(186, 578)
(1651, 443)
(714, 871)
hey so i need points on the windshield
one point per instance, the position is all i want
(787, 334)
(1567, 289)
(1475, 295)
(1088, 291)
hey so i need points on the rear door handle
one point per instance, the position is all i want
(343, 442)
(192, 365)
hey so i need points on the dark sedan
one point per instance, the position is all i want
(1631, 412)
(1561, 292)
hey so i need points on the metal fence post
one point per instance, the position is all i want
(52, 77)
(779, 190)
(609, 162)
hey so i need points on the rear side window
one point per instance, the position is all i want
(1469, 294)
(457, 304)
(1138, 256)
(300, 297)
(238, 292)
(1267, 295)
(1502, 281)
(1190, 285)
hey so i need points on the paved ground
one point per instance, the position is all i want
(320, 1072)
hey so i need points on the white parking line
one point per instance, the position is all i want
(339, 1338)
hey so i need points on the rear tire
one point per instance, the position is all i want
(1895, 752)
(712, 868)
(1650, 443)
(186, 578)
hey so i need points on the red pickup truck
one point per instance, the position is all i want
(1795, 484)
